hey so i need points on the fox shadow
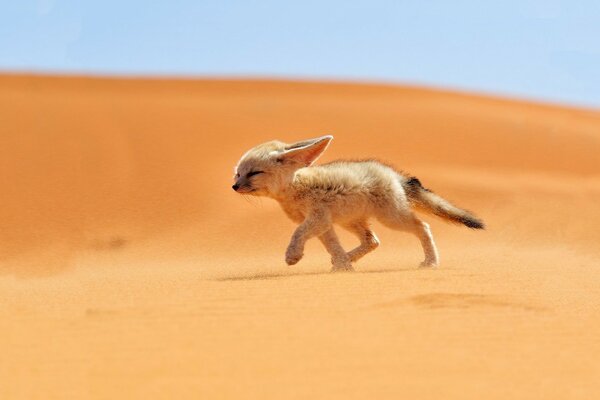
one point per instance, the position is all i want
(284, 275)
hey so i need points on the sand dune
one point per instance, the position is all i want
(129, 269)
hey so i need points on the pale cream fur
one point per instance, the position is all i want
(346, 193)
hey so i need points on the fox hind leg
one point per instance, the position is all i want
(368, 240)
(409, 222)
(423, 232)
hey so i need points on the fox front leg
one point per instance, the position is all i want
(314, 225)
(340, 260)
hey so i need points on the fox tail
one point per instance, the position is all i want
(425, 200)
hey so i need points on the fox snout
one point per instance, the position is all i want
(242, 186)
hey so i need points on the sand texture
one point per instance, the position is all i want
(129, 269)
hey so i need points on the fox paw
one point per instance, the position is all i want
(341, 265)
(428, 264)
(292, 256)
(343, 268)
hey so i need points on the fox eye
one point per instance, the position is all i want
(251, 174)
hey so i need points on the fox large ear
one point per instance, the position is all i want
(307, 151)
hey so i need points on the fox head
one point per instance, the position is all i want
(268, 168)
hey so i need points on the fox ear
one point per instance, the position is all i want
(306, 151)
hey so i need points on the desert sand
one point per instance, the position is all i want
(130, 269)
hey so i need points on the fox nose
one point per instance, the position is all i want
(235, 187)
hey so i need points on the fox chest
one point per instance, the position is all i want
(293, 212)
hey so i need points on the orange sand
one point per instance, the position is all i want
(129, 268)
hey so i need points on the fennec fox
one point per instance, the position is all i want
(347, 193)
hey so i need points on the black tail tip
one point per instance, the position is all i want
(473, 223)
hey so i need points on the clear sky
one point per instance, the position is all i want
(543, 49)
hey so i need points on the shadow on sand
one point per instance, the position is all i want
(274, 275)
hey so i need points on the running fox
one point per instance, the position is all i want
(347, 193)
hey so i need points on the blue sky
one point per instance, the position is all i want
(547, 50)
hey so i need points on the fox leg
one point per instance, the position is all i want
(339, 258)
(368, 240)
(314, 224)
(423, 232)
(407, 221)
